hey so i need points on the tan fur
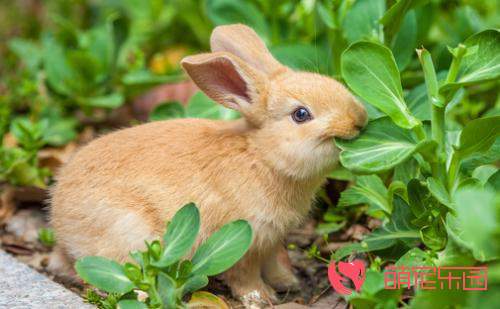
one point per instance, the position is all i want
(265, 168)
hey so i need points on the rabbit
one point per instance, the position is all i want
(265, 167)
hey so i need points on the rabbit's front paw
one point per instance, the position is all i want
(260, 296)
(258, 299)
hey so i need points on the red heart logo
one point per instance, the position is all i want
(354, 270)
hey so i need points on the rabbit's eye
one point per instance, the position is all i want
(301, 114)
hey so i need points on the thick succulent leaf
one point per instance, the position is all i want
(368, 190)
(371, 72)
(478, 136)
(399, 228)
(104, 274)
(380, 147)
(482, 61)
(180, 235)
(222, 249)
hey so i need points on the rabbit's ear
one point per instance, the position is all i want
(242, 41)
(228, 80)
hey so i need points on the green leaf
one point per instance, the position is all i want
(406, 171)
(131, 304)
(180, 235)
(99, 41)
(201, 106)
(373, 294)
(361, 21)
(476, 224)
(478, 136)
(60, 129)
(434, 235)
(394, 16)
(104, 274)
(113, 100)
(224, 12)
(418, 102)
(414, 258)
(494, 181)
(484, 172)
(17, 168)
(28, 52)
(381, 146)
(169, 110)
(194, 283)
(398, 229)
(302, 57)
(404, 43)
(147, 78)
(326, 16)
(488, 157)
(29, 134)
(371, 72)
(58, 70)
(439, 298)
(439, 191)
(455, 255)
(368, 190)
(482, 63)
(223, 248)
(167, 289)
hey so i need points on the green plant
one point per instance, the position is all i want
(431, 198)
(161, 271)
(199, 106)
(47, 237)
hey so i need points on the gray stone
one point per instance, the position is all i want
(23, 287)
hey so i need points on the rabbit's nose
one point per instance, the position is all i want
(360, 117)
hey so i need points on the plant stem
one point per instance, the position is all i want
(438, 125)
(438, 110)
(458, 54)
(453, 171)
(419, 131)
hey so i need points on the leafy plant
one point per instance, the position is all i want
(199, 106)
(161, 271)
(430, 199)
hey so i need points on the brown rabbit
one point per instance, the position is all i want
(264, 168)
